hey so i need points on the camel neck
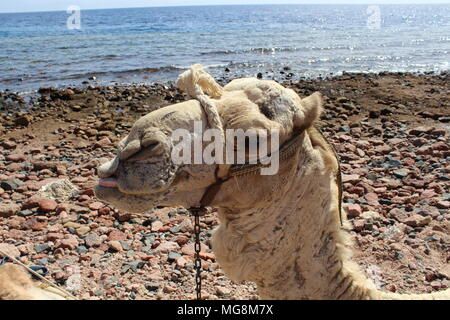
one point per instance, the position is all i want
(290, 242)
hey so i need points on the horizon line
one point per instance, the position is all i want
(231, 5)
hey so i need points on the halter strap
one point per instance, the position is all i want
(287, 150)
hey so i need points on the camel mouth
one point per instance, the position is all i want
(110, 183)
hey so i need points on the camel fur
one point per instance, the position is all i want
(282, 232)
(16, 284)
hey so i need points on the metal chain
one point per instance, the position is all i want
(198, 260)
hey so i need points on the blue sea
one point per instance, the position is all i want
(144, 45)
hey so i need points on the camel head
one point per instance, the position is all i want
(144, 174)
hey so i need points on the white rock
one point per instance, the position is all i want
(61, 189)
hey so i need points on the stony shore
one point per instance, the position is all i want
(391, 132)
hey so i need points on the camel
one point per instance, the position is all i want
(281, 231)
(16, 284)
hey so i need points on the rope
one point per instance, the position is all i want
(51, 284)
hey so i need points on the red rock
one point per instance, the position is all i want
(9, 144)
(439, 132)
(207, 255)
(358, 224)
(182, 240)
(425, 150)
(36, 185)
(417, 220)
(117, 235)
(443, 204)
(79, 179)
(353, 210)
(47, 205)
(70, 242)
(41, 165)
(420, 130)
(8, 209)
(383, 149)
(398, 214)
(181, 262)
(122, 216)
(351, 178)
(427, 194)
(53, 236)
(29, 223)
(372, 199)
(442, 146)
(115, 245)
(10, 250)
(167, 246)
(96, 205)
(156, 225)
(356, 190)
(188, 250)
(143, 256)
(104, 211)
(436, 285)
(89, 192)
(35, 150)
(61, 170)
(419, 142)
(15, 222)
(15, 157)
(63, 207)
(84, 197)
(103, 142)
(26, 249)
(39, 226)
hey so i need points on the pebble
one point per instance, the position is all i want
(81, 231)
(353, 210)
(39, 248)
(92, 240)
(10, 250)
(117, 235)
(167, 246)
(173, 256)
(157, 225)
(47, 205)
(115, 245)
(8, 209)
(82, 250)
(351, 178)
(9, 185)
(222, 291)
(70, 242)
(401, 173)
(417, 220)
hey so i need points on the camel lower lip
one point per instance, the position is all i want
(108, 183)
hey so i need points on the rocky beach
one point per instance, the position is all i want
(391, 131)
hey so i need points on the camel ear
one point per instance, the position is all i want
(309, 111)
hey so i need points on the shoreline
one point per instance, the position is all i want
(391, 132)
(224, 76)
